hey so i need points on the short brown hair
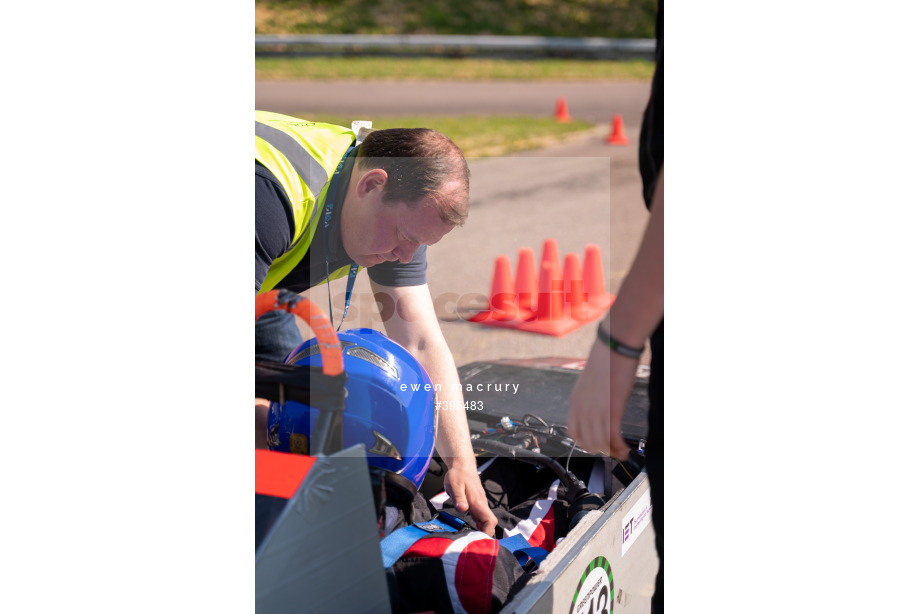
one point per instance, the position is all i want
(418, 163)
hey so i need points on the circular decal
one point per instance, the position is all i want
(595, 589)
(298, 444)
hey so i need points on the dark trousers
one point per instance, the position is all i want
(655, 457)
(276, 335)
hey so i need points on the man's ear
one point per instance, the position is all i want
(372, 180)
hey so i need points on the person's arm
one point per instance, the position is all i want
(274, 229)
(414, 325)
(600, 394)
(262, 409)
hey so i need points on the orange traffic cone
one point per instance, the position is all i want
(594, 275)
(574, 288)
(562, 111)
(616, 132)
(562, 304)
(549, 303)
(525, 284)
(501, 303)
(550, 252)
(503, 291)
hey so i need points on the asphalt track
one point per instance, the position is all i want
(579, 192)
(594, 101)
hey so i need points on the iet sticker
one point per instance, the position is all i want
(636, 519)
(595, 589)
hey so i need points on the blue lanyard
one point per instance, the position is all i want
(327, 221)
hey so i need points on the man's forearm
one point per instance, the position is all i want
(640, 302)
(415, 326)
(453, 434)
(461, 481)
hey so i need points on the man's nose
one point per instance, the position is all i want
(405, 251)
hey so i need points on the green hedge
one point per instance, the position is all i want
(571, 18)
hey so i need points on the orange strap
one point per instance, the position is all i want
(279, 474)
(330, 349)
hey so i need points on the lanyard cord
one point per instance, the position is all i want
(331, 194)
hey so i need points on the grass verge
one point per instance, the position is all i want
(454, 69)
(478, 136)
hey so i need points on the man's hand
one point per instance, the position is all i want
(600, 394)
(463, 485)
(598, 400)
(414, 325)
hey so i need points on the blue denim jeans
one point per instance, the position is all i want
(276, 335)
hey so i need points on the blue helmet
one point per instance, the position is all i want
(389, 406)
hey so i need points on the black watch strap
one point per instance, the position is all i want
(616, 346)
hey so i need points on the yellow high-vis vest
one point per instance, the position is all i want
(303, 156)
